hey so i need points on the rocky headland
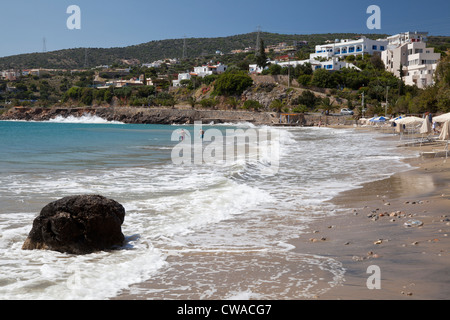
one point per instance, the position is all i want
(147, 115)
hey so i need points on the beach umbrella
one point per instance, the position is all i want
(426, 126)
(407, 121)
(379, 119)
(410, 120)
(395, 119)
(445, 133)
(442, 118)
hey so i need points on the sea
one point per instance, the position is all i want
(193, 230)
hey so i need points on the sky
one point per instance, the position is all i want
(113, 23)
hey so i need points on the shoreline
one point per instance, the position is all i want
(413, 261)
(178, 116)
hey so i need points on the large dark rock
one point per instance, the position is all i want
(78, 225)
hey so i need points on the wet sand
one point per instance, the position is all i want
(414, 261)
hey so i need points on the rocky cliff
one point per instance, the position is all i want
(142, 115)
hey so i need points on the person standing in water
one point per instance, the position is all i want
(202, 134)
(182, 135)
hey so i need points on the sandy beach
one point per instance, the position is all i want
(400, 224)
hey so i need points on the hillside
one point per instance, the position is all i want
(155, 50)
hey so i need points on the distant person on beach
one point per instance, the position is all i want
(182, 135)
(202, 133)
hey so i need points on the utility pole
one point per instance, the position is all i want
(289, 72)
(258, 31)
(184, 47)
(86, 58)
(44, 45)
(385, 108)
(363, 109)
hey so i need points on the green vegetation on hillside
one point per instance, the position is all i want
(161, 49)
(325, 90)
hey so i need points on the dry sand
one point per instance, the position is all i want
(414, 262)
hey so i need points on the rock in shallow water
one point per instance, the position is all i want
(78, 225)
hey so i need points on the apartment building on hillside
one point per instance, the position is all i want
(408, 52)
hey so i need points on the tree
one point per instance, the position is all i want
(108, 96)
(232, 83)
(426, 101)
(307, 99)
(232, 102)
(443, 84)
(304, 79)
(323, 79)
(192, 101)
(377, 63)
(208, 103)
(145, 91)
(73, 93)
(252, 104)
(86, 96)
(274, 69)
(326, 104)
(277, 105)
(261, 57)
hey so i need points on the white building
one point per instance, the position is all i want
(333, 64)
(11, 75)
(207, 70)
(255, 69)
(181, 77)
(343, 48)
(408, 51)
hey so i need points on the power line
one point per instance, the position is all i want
(184, 47)
(85, 58)
(258, 39)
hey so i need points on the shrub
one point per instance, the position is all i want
(232, 83)
(252, 104)
(208, 103)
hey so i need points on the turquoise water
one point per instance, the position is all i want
(33, 146)
(187, 225)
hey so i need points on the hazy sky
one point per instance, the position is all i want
(112, 23)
